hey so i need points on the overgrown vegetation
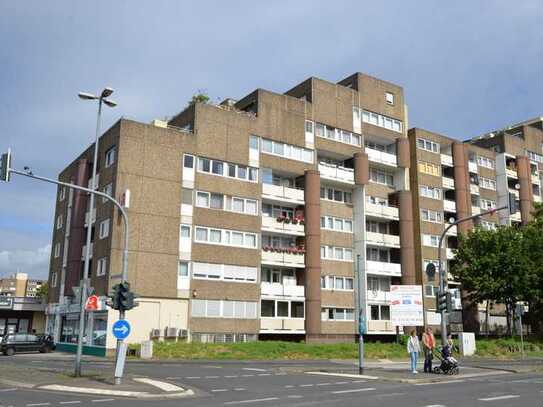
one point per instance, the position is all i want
(200, 97)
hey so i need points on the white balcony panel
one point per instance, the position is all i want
(282, 290)
(453, 231)
(516, 217)
(384, 269)
(472, 167)
(84, 251)
(283, 259)
(450, 254)
(475, 210)
(381, 326)
(446, 160)
(93, 217)
(270, 224)
(448, 183)
(378, 296)
(474, 189)
(381, 157)
(282, 325)
(511, 173)
(97, 182)
(283, 194)
(335, 173)
(382, 211)
(514, 191)
(449, 206)
(382, 239)
(537, 198)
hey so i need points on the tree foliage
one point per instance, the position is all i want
(200, 97)
(43, 291)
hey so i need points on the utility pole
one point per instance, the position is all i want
(360, 286)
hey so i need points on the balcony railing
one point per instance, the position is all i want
(283, 259)
(378, 295)
(282, 290)
(381, 157)
(452, 231)
(448, 183)
(511, 172)
(535, 179)
(87, 217)
(282, 193)
(449, 206)
(271, 224)
(450, 254)
(475, 210)
(84, 251)
(474, 189)
(294, 325)
(336, 173)
(384, 269)
(446, 160)
(382, 211)
(381, 326)
(383, 239)
(472, 167)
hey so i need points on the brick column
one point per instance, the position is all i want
(461, 185)
(312, 254)
(402, 152)
(361, 169)
(526, 193)
(407, 238)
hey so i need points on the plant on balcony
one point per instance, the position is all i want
(281, 219)
(287, 220)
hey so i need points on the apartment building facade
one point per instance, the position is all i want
(247, 218)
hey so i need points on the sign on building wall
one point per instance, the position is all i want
(6, 302)
(406, 305)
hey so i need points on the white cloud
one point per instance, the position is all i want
(34, 262)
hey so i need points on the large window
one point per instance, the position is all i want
(429, 215)
(377, 227)
(226, 272)
(427, 145)
(487, 204)
(430, 240)
(101, 267)
(225, 237)
(336, 253)
(337, 283)
(223, 169)
(381, 177)
(337, 314)
(534, 156)
(430, 192)
(486, 162)
(382, 121)
(110, 156)
(226, 202)
(337, 224)
(379, 312)
(341, 136)
(487, 183)
(287, 151)
(223, 309)
(429, 168)
(378, 254)
(337, 195)
(104, 229)
(57, 250)
(282, 309)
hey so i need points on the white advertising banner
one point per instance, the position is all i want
(406, 305)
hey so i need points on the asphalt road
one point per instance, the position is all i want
(282, 384)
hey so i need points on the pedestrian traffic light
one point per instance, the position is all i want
(441, 301)
(122, 298)
(513, 207)
(5, 165)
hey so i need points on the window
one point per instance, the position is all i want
(336, 253)
(486, 162)
(59, 221)
(379, 312)
(377, 227)
(183, 269)
(389, 98)
(57, 250)
(216, 201)
(226, 237)
(487, 183)
(430, 290)
(308, 126)
(336, 195)
(226, 202)
(337, 314)
(62, 194)
(429, 168)
(381, 121)
(427, 145)
(534, 156)
(222, 169)
(110, 156)
(429, 215)
(341, 136)
(253, 142)
(337, 283)
(378, 284)
(54, 279)
(104, 229)
(378, 254)
(101, 267)
(430, 240)
(188, 161)
(337, 224)
(381, 177)
(108, 190)
(430, 192)
(223, 309)
(488, 225)
(487, 204)
(287, 151)
(186, 196)
(185, 231)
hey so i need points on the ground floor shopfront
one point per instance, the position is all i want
(21, 315)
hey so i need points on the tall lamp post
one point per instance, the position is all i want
(106, 92)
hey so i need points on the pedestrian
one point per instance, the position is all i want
(428, 345)
(413, 348)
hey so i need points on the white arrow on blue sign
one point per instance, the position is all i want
(121, 329)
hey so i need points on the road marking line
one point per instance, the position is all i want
(231, 376)
(247, 375)
(353, 390)
(506, 397)
(289, 386)
(192, 377)
(102, 400)
(341, 382)
(71, 402)
(264, 374)
(211, 377)
(218, 390)
(38, 404)
(240, 389)
(173, 378)
(435, 405)
(252, 401)
(306, 385)
(354, 376)
(294, 396)
(432, 383)
(6, 390)
(359, 381)
(164, 386)
(281, 374)
(254, 369)
(324, 384)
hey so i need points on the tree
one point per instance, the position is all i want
(200, 97)
(43, 291)
(493, 266)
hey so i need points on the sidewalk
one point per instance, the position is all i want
(94, 382)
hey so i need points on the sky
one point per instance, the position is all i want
(467, 67)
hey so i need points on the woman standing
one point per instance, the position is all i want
(413, 348)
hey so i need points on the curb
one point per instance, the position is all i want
(119, 393)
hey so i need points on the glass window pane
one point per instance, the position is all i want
(215, 235)
(213, 308)
(348, 283)
(185, 231)
(339, 283)
(232, 170)
(242, 172)
(238, 205)
(188, 161)
(253, 174)
(251, 207)
(250, 240)
(201, 234)
(253, 142)
(217, 167)
(183, 269)
(202, 199)
(267, 308)
(282, 309)
(216, 201)
(267, 146)
(237, 238)
(204, 164)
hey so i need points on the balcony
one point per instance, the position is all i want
(336, 173)
(535, 179)
(282, 325)
(384, 269)
(270, 224)
(449, 206)
(381, 326)
(452, 231)
(516, 217)
(472, 167)
(378, 296)
(382, 239)
(515, 192)
(84, 251)
(282, 194)
(446, 160)
(87, 217)
(511, 173)
(474, 189)
(537, 198)
(97, 181)
(285, 259)
(450, 254)
(448, 183)
(382, 211)
(381, 157)
(282, 290)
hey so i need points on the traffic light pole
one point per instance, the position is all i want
(124, 275)
(442, 277)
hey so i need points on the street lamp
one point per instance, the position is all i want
(106, 92)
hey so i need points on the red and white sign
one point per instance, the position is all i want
(406, 305)
(93, 303)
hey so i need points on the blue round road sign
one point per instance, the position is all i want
(121, 329)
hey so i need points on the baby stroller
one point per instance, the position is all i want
(448, 365)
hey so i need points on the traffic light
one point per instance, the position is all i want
(441, 301)
(5, 165)
(122, 298)
(513, 207)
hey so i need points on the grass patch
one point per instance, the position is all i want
(508, 348)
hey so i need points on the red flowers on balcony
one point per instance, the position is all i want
(288, 250)
(295, 220)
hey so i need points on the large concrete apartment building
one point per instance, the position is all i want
(248, 217)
